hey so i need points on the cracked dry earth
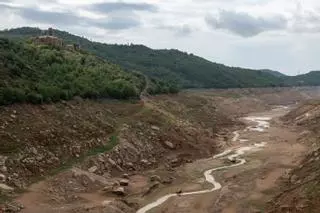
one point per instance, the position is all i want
(245, 188)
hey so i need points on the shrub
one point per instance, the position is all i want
(35, 98)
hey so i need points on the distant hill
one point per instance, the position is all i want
(173, 67)
(309, 79)
(275, 73)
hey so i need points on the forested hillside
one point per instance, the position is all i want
(171, 69)
(172, 66)
(37, 74)
(309, 79)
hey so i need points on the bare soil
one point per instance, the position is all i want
(172, 136)
(246, 188)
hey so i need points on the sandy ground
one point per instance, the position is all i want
(245, 189)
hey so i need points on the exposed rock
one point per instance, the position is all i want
(34, 150)
(152, 188)
(286, 174)
(129, 164)
(146, 162)
(3, 160)
(168, 180)
(4, 187)
(101, 158)
(233, 160)
(93, 169)
(155, 178)
(119, 191)
(285, 207)
(169, 145)
(116, 184)
(294, 178)
(3, 169)
(174, 162)
(2, 178)
(155, 128)
(13, 207)
(125, 126)
(126, 176)
(107, 189)
(124, 182)
(189, 161)
(112, 162)
(106, 202)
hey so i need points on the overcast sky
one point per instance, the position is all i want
(283, 35)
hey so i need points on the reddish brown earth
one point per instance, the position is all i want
(164, 136)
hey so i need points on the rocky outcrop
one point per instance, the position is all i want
(154, 178)
(119, 191)
(124, 182)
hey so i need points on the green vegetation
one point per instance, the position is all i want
(113, 141)
(38, 74)
(104, 148)
(310, 79)
(169, 70)
(3, 197)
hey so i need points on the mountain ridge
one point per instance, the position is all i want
(173, 66)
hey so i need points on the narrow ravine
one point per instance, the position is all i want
(233, 155)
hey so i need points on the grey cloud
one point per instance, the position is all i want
(5, 6)
(62, 18)
(306, 22)
(184, 30)
(107, 7)
(67, 18)
(119, 23)
(245, 25)
(179, 30)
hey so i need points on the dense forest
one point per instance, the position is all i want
(309, 79)
(40, 73)
(171, 66)
(60, 75)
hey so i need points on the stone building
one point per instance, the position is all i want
(48, 40)
(52, 40)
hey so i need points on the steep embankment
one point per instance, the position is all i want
(120, 136)
(301, 190)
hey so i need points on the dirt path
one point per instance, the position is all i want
(241, 187)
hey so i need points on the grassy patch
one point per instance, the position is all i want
(3, 198)
(313, 190)
(113, 141)
(104, 148)
(255, 204)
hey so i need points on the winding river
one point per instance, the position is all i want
(262, 123)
